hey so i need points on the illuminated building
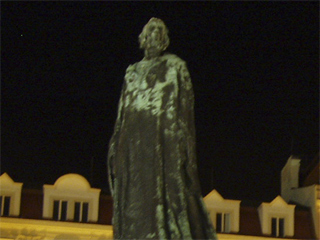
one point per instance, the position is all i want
(71, 209)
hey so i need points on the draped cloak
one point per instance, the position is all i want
(152, 156)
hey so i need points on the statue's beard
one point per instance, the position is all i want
(156, 44)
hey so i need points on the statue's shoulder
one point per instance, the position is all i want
(173, 60)
(132, 66)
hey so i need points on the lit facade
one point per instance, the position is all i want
(71, 209)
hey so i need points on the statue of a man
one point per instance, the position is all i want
(152, 156)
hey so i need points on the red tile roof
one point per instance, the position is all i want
(32, 201)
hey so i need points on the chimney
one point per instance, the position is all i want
(290, 177)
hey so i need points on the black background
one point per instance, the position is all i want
(255, 73)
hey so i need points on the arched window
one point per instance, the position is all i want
(71, 198)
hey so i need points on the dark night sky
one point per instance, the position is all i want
(255, 73)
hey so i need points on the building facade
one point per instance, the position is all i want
(71, 209)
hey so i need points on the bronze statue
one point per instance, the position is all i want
(152, 156)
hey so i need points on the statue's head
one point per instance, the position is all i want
(154, 35)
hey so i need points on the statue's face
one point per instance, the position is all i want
(154, 38)
(155, 33)
(155, 30)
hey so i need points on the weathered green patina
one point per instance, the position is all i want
(152, 155)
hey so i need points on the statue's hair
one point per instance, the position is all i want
(164, 36)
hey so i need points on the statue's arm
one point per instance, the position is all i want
(114, 140)
(186, 96)
(186, 113)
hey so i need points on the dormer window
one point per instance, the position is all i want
(71, 199)
(277, 218)
(223, 222)
(224, 213)
(81, 211)
(60, 210)
(5, 205)
(277, 227)
(10, 196)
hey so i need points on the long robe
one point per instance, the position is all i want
(152, 157)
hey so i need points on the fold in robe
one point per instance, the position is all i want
(152, 157)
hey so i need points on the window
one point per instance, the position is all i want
(5, 205)
(81, 211)
(277, 227)
(73, 206)
(223, 222)
(277, 218)
(60, 210)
